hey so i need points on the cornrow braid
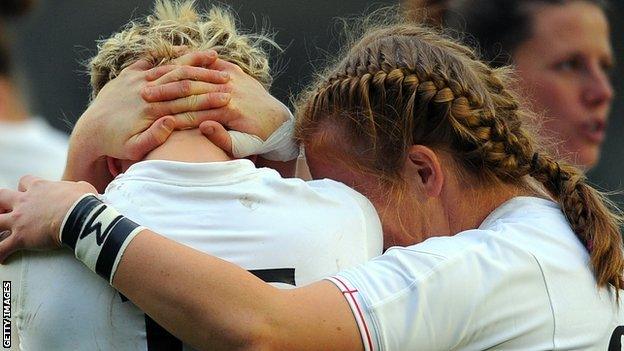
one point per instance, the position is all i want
(405, 85)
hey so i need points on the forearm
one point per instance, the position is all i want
(84, 161)
(203, 300)
(212, 304)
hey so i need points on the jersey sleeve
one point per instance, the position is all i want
(410, 300)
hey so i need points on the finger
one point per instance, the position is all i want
(216, 133)
(193, 73)
(7, 199)
(151, 138)
(140, 65)
(26, 182)
(189, 104)
(194, 119)
(223, 65)
(7, 247)
(180, 50)
(180, 89)
(197, 59)
(159, 71)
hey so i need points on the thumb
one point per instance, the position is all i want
(151, 138)
(216, 133)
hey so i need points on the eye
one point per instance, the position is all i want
(569, 64)
(607, 66)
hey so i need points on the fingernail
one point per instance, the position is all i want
(212, 54)
(225, 97)
(225, 75)
(209, 130)
(169, 124)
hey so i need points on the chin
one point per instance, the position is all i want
(588, 158)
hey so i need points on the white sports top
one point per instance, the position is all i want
(286, 231)
(521, 281)
(31, 147)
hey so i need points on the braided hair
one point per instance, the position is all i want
(405, 85)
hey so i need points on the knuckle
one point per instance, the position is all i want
(193, 102)
(188, 117)
(225, 88)
(151, 109)
(186, 72)
(185, 87)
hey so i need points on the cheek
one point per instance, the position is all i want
(558, 98)
(558, 103)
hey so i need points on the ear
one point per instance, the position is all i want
(428, 169)
(114, 166)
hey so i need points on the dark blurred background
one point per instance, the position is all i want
(51, 42)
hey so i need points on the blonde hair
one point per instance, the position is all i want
(402, 85)
(176, 23)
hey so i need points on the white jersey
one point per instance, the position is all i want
(31, 147)
(285, 231)
(521, 281)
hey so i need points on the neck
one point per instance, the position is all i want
(411, 220)
(188, 146)
(468, 208)
(12, 109)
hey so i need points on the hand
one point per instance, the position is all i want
(137, 111)
(34, 214)
(130, 117)
(251, 109)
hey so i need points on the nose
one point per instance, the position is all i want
(598, 88)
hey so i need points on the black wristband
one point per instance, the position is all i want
(97, 234)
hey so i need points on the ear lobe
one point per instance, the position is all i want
(429, 169)
(114, 166)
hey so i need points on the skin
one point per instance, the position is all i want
(563, 68)
(157, 106)
(162, 99)
(212, 304)
(12, 108)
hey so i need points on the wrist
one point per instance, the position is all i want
(97, 234)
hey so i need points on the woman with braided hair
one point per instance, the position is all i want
(491, 242)
(561, 51)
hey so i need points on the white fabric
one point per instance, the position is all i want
(248, 216)
(279, 146)
(31, 147)
(521, 281)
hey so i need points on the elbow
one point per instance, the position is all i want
(243, 333)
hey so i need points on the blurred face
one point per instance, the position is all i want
(405, 220)
(564, 68)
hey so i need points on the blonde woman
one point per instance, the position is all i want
(501, 246)
(58, 305)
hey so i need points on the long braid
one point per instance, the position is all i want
(405, 85)
(590, 214)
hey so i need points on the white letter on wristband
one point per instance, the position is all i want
(98, 234)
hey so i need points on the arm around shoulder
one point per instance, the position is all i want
(211, 303)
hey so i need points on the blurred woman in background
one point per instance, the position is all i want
(561, 51)
(27, 145)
